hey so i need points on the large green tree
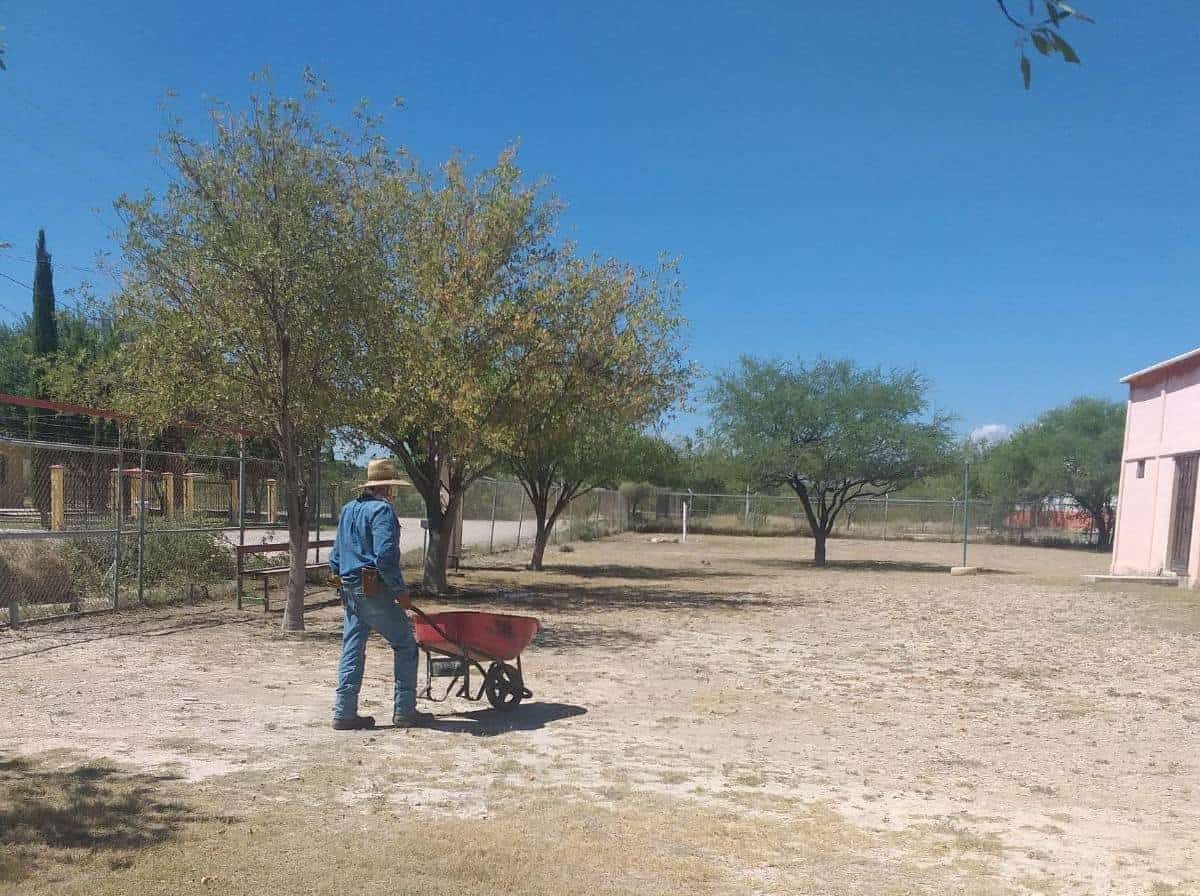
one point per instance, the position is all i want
(831, 431)
(616, 354)
(1072, 451)
(463, 337)
(248, 282)
(16, 374)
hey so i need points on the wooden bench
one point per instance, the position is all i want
(271, 571)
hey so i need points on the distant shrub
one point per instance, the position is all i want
(169, 558)
(41, 575)
(183, 557)
(586, 530)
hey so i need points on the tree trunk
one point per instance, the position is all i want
(815, 527)
(297, 511)
(540, 538)
(819, 538)
(439, 522)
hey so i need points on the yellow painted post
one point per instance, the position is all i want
(189, 493)
(168, 495)
(272, 509)
(58, 498)
(233, 499)
(135, 494)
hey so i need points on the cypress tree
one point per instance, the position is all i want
(45, 342)
(45, 324)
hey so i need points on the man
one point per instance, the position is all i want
(366, 556)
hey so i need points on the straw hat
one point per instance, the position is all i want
(383, 472)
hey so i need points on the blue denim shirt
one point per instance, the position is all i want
(368, 534)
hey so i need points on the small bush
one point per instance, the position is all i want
(585, 530)
(43, 575)
(185, 557)
(170, 558)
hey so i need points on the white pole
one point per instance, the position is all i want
(685, 513)
(966, 511)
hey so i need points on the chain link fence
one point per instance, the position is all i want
(104, 526)
(1053, 522)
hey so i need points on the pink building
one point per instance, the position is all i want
(1156, 519)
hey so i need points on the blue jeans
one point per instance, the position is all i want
(364, 614)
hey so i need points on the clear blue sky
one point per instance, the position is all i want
(844, 179)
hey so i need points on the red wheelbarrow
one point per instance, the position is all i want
(457, 642)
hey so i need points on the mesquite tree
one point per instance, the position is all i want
(248, 281)
(832, 432)
(1071, 451)
(462, 341)
(618, 366)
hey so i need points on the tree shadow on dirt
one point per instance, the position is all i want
(562, 596)
(856, 565)
(915, 566)
(641, 573)
(618, 571)
(490, 722)
(579, 635)
(45, 814)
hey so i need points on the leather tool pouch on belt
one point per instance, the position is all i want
(370, 581)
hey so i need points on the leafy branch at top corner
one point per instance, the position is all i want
(1044, 33)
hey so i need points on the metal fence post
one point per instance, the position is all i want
(520, 518)
(141, 564)
(118, 513)
(492, 536)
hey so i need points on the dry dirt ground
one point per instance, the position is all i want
(710, 717)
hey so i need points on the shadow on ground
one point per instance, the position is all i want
(563, 596)
(36, 641)
(46, 815)
(855, 565)
(578, 635)
(641, 573)
(618, 571)
(490, 722)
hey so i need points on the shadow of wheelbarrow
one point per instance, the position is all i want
(489, 722)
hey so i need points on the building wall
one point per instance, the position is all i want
(1162, 421)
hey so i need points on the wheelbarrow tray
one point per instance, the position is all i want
(483, 636)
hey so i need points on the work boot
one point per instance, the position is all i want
(414, 719)
(358, 723)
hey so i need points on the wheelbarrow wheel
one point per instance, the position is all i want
(504, 687)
